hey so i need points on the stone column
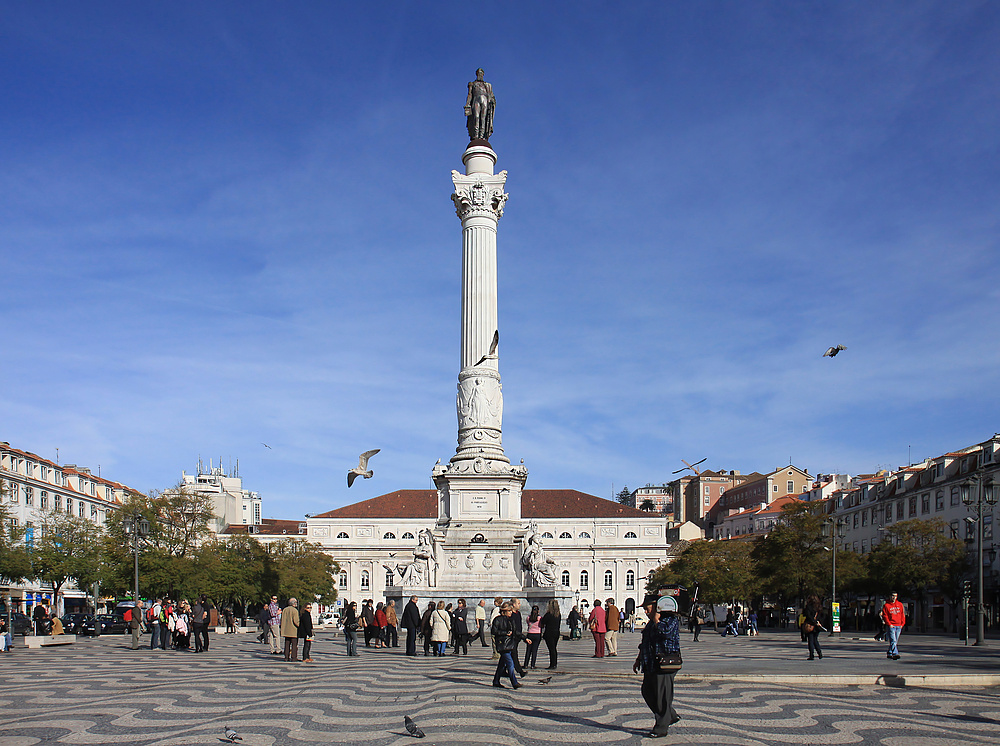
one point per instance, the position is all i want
(479, 200)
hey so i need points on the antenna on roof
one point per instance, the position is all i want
(57, 457)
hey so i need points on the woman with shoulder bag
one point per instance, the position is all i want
(811, 626)
(440, 629)
(351, 627)
(659, 660)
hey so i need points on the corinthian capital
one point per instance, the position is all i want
(479, 195)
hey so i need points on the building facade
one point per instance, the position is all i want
(231, 503)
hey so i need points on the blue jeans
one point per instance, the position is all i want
(893, 636)
(505, 665)
(351, 635)
(154, 643)
(442, 647)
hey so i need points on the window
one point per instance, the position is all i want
(609, 580)
(343, 535)
(630, 580)
(864, 517)
(954, 529)
(388, 535)
(107, 493)
(81, 509)
(913, 506)
(970, 530)
(92, 489)
(899, 510)
(29, 469)
(631, 535)
(987, 529)
(565, 535)
(565, 578)
(366, 581)
(69, 506)
(43, 500)
(925, 503)
(774, 488)
(708, 489)
(45, 473)
(855, 520)
(342, 580)
(584, 535)
(93, 511)
(864, 546)
(29, 496)
(13, 492)
(584, 580)
(547, 535)
(408, 535)
(707, 500)
(790, 486)
(954, 495)
(939, 500)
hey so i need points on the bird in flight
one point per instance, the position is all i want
(834, 351)
(492, 354)
(362, 470)
(412, 728)
(267, 446)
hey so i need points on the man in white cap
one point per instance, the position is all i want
(659, 660)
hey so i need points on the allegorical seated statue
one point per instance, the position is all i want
(479, 107)
(537, 563)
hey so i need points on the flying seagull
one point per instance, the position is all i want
(362, 470)
(231, 735)
(412, 728)
(267, 446)
(834, 351)
(492, 354)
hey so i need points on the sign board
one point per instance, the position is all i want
(835, 614)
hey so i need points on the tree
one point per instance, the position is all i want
(790, 558)
(239, 571)
(15, 562)
(917, 556)
(648, 505)
(624, 497)
(303, 570)
(70, 548)
(724, 571)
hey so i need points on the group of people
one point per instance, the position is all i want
(172, 623)
(892, 616)
(283, 628)
(604, 622)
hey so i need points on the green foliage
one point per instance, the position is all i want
(790, 558)
(647, 505)
(15, 562)
(624, 497)
(303, 570)
(70, 548)
(916, 555)
(724, 570)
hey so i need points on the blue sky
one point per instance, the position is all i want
(227, 224)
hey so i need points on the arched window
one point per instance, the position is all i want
(69, 506)
(343, 535)
(565, 535)
(631, 535)
(408, 535)
(478, 539)
(547, 535)
(584, 580)
(630, 580)
(565, 578)
(609, 580)
(366, 581)
(81, 510)
(388, 535)
(342, 582)
(584, 535)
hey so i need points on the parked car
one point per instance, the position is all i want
(20, 624)
(328, 618)
(80, 624)
(113, 624)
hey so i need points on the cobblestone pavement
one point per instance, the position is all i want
(99, 691)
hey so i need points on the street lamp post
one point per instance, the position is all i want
(985, 494)
(136, 525)
(834, 529)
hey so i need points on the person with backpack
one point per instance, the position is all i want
(153, 619)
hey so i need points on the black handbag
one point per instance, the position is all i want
(669, 663)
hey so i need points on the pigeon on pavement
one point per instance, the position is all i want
(412, 728)
(231, 735)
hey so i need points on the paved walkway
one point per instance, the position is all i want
(99, 691)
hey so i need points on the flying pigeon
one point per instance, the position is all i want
(834, 351)
(267, 446)
(412, 728)
(492, 354)
(362, 470)
(546, 680)
(231, 735)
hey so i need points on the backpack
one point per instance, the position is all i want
(149, 614)
(128, 615)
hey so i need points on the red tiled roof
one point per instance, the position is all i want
(268, 526)
(534, 504)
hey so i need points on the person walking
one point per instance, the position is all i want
(392, 625)
(518, 622)
(381, 622)
(351, 627)
(305, 632)
(289, 628)
(573, 620)
(273, 625)
(411, 623)
(135, 623)
(440, 629)
(534, 638)
(812, 626)
(551, 631)
(497, 602)
(613, 622)
(481, 622)
(597, 622)
(698, 620)
(154, 623)
(460, 627)
(659, 660)
(894, 616)
(368, 621)
(752, 624)
(199, 624)
(504, 637)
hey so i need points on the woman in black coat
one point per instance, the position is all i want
(306, 631)
(811, 626)
(551, 632)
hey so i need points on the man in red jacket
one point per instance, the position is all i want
(894, 617)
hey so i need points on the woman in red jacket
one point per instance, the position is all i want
(381, 621)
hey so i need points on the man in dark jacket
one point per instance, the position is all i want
(368, 620)
(504, 640)
(515, 618)
(306, 632)
(199, 624)
(460, 627)
(411, 623)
